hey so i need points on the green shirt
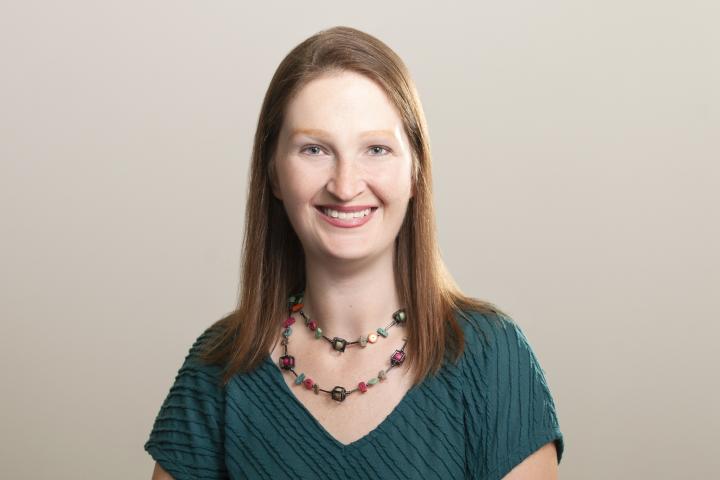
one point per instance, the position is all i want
(477, 418)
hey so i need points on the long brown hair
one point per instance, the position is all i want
(273, 262)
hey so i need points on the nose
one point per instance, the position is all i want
(346, 181)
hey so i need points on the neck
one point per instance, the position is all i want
(349, 302)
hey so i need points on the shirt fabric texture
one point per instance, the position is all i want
(477, 418)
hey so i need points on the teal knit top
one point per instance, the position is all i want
(475, 418)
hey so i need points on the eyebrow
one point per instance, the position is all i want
(317, 132)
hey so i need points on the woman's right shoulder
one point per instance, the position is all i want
(187, 435)
(194, 363)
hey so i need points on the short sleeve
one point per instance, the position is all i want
(187, 438)
(509, 409)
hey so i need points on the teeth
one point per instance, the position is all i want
(346, 215)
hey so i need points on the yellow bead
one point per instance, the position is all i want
(372, 337)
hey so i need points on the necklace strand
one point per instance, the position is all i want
(339, 344)
(338, 393)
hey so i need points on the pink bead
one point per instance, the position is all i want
(287, 362)
(362, 386)
(397, 358)
(308, 383)
(288, 321)
(312, 325)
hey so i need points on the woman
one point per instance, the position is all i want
(352, 352)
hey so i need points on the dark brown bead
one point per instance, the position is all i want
(338, 394)
(339, 344)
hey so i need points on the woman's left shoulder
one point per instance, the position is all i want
(496, 347)
(509, 407)
(490, 331)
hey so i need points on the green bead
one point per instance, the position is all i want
(299, 379)
(287, 331)
(382, 332)
(372, 381)
(318, 332)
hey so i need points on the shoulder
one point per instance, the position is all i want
(509, 408)
(194, 366)
(487, 332)
(199, 344)
(187, 435)
(497, 349)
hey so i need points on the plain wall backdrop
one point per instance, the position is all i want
(575, 153)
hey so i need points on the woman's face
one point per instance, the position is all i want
(342, 145)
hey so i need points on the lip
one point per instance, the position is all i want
(347, 223)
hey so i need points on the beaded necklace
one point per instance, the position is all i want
(339, 393)
(295, 305)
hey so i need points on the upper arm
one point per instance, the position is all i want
(160, 474)
(509, 411)
(187, 438)
(541, 465)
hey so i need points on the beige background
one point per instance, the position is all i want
(576, 149)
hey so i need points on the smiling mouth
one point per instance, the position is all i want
(346, 219)
(324, 211)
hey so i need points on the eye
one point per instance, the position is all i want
(387, 150)
(314, 147)
(378, 150)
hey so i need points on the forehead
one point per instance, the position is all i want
(345, 102)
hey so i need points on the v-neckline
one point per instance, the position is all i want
(278, 374)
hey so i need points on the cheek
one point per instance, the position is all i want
(394, 186)
(292, 183)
